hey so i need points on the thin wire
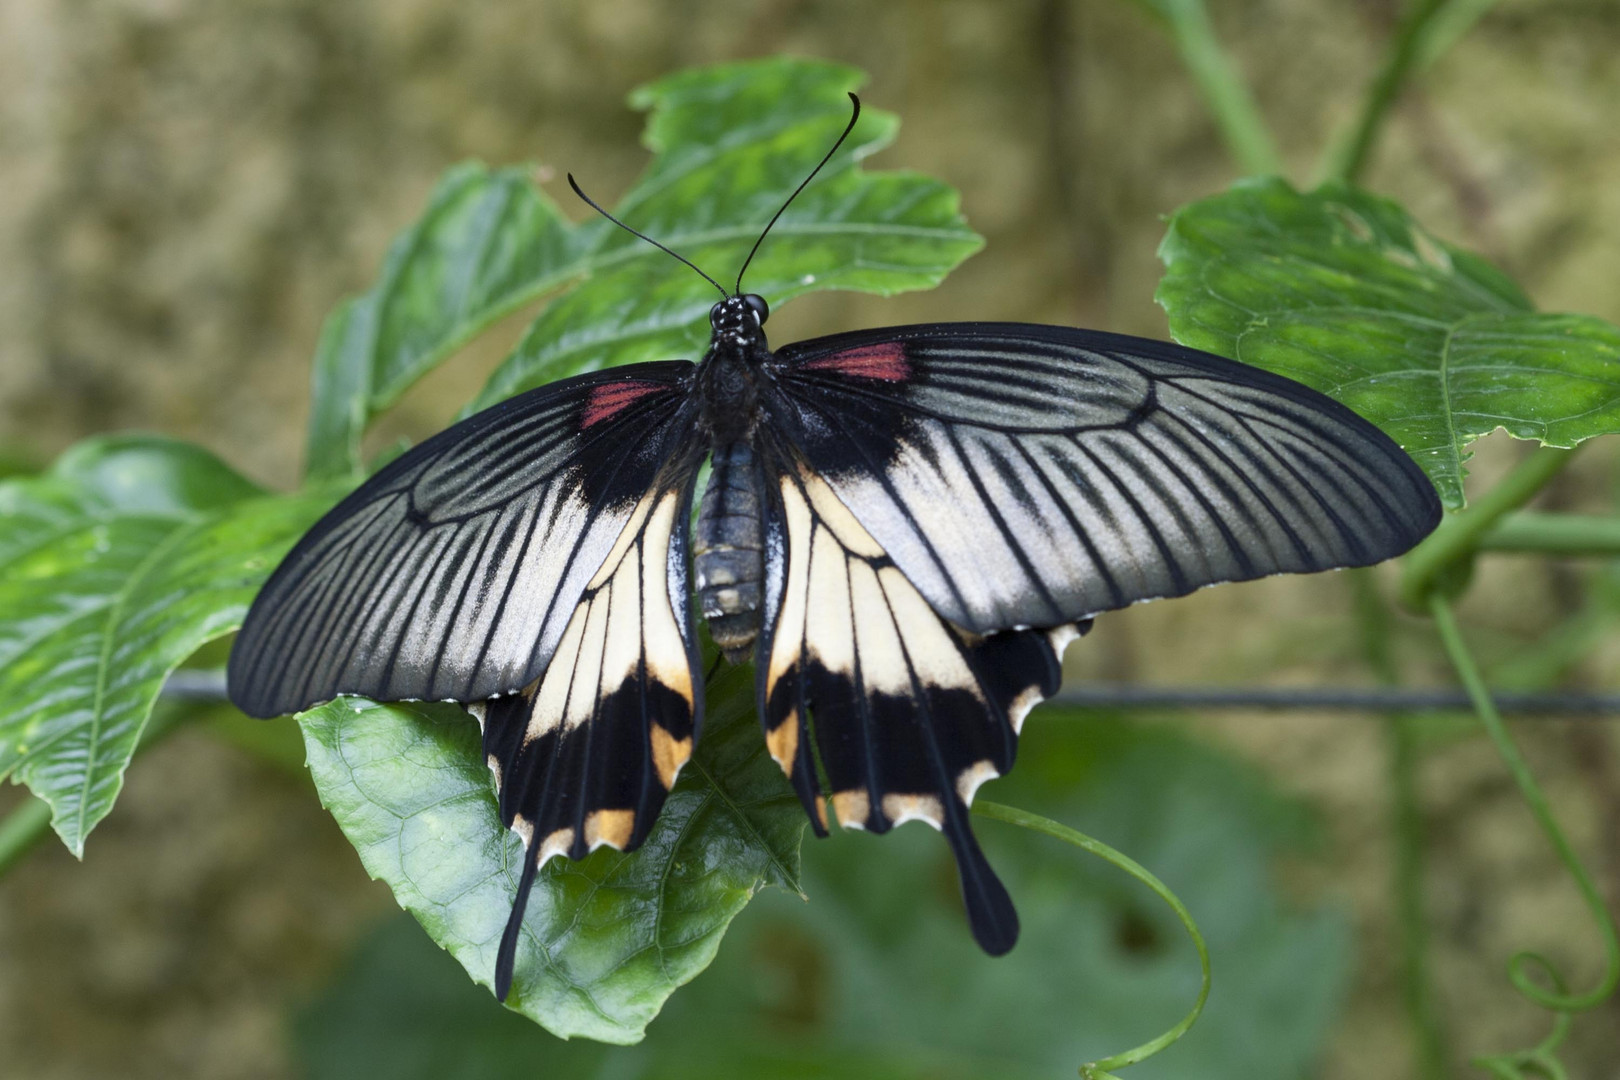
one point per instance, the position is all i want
(592, 204)
(1327, 698)
(854, 116)
(205, 684)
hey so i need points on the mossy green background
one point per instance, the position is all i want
(190, 187)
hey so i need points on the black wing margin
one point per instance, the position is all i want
(908, 713)
(452, 573)
(1031, 475)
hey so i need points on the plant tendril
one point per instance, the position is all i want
(1101, 1068)
(1539, 1060)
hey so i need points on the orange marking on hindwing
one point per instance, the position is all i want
(783, 741)
(610, 827)
(669, 754)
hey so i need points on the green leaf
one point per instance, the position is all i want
(730, 144)
(1345, 292)
(608, 938)
(878, 977)
(488, 242)
(117, 564)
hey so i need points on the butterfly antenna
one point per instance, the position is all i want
(854, 116)
(592, 204)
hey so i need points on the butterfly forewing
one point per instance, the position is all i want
(1032, 476)
(453, 573)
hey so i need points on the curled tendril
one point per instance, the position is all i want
(1540, 1060)
(1101, 1068)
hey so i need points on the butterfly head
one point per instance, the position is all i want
(738, 321)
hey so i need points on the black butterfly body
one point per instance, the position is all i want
(902, 527)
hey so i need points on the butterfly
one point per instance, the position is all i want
(902, 529)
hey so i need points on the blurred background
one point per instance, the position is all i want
(189, 186)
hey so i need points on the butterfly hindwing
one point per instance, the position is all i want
(452, 573)
(908, 713)
(1033, 475)
(584, 756)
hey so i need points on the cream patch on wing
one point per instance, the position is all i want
(829, 632)
(877, 642)
(903, 808)
(969, 780)
(553, 845)
(852, 808)
(935, 656)
(585, 689)
(836, 516)
(789, 637)
(843, 610)
(667, 659)
(624, 619)
(1018, 708)
(524, 828)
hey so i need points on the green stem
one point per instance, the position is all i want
(1100, 1069)
(1245, 132)
(22, 829)
(1518, 968)
(1349, 157)
(1539, 532)
(1402, 746)
(1406, 829)
(1447, 28)
(1453, 544)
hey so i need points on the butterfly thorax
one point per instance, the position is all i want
(728, 542)
(728, 392)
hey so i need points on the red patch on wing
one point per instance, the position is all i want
(886, 362)
(610, 398)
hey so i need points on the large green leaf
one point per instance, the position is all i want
(608, 938)
(115, 566)
(878, 977)
(487, 242)
(1345, 292)
(729, 143)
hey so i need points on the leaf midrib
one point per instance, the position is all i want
(747, 822)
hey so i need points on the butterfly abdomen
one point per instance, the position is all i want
(729, 550)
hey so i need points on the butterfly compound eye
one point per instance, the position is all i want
(716, 314)
(759, 307)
